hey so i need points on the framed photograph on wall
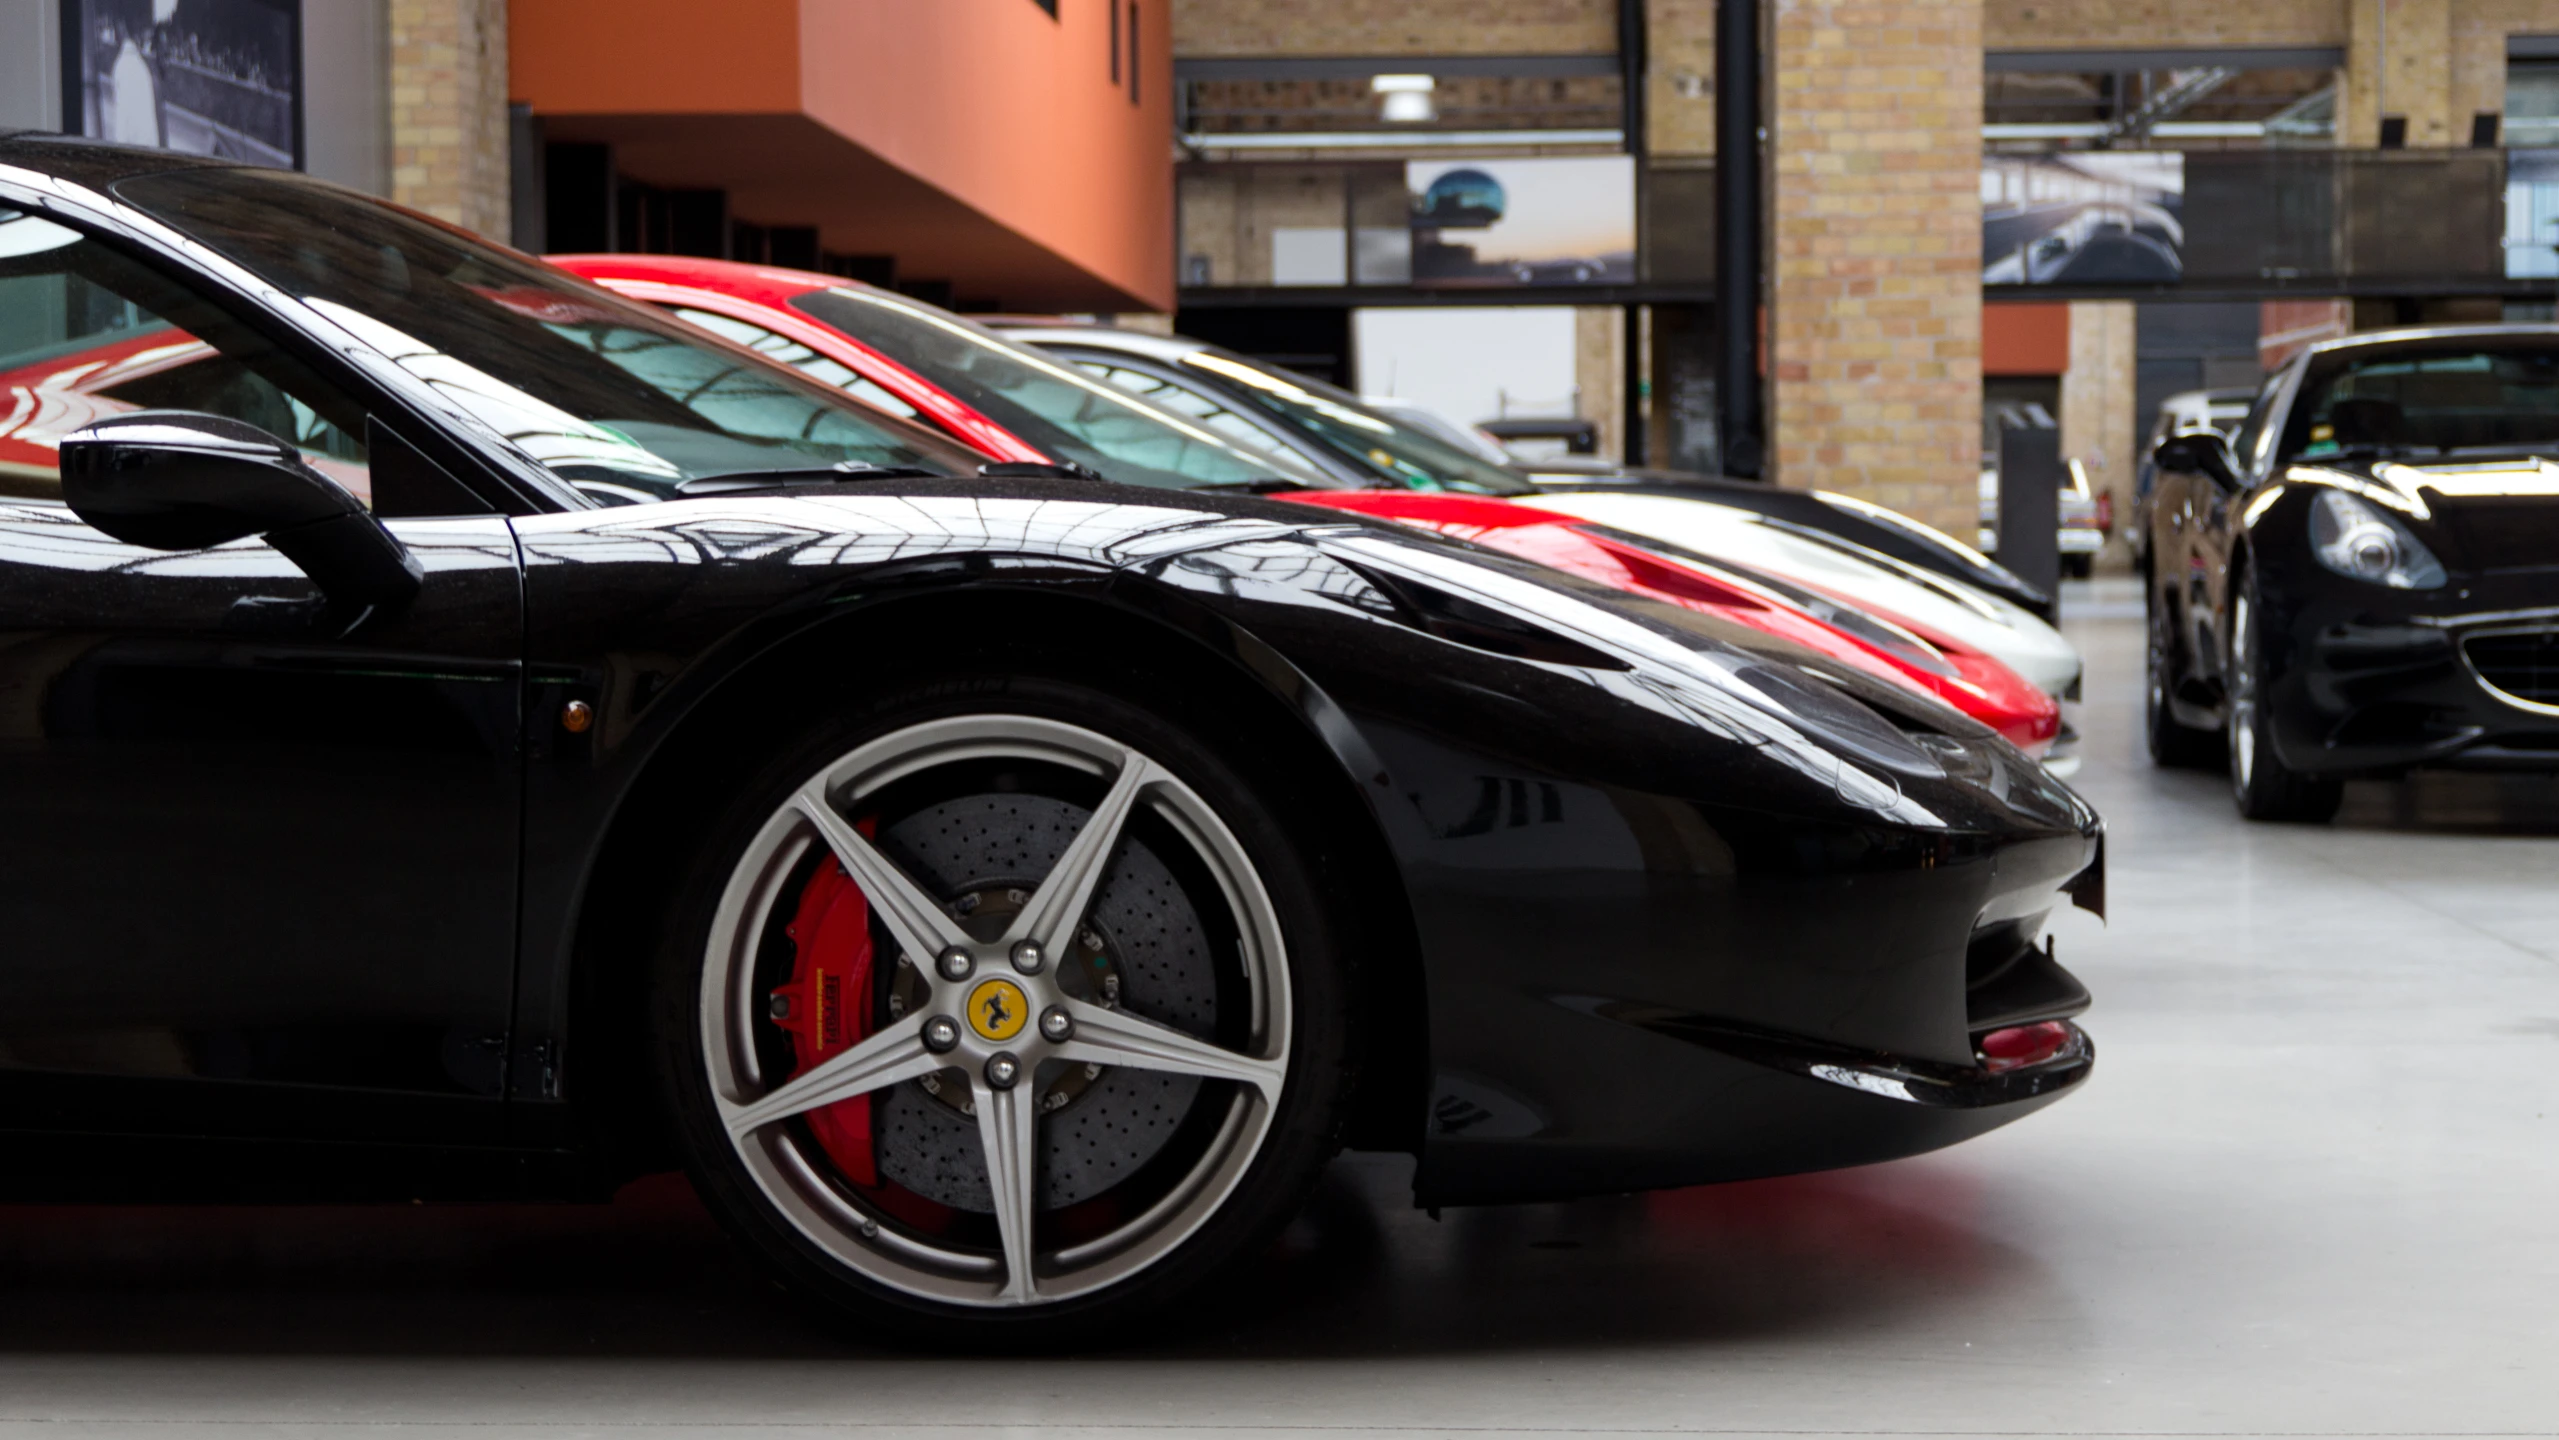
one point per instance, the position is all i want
(207, 77)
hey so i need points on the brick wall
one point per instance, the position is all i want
(2413, 79)
(448, 110)
(1679, 76)
(2478, 44)
(1398, 27)
(1599, 371)
(1875, 252)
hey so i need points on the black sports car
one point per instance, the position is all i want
(2366, 580)
(468, 735)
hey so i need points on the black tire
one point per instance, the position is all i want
(2263, 787)
(2078, 567)
(2173, 746)
(1257, 1191)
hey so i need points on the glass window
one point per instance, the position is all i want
(2532, 102)
(2249, 446)
(1181, 399)
(87, 332)
(1049, 402)
(2430, 402)
(1396, 452)
(785, 350)
(623, 402)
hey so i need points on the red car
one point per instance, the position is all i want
(1012, 403)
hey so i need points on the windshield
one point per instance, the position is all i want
(1050, 403)
(2428, 402)
(622, 402)
(1396, 452)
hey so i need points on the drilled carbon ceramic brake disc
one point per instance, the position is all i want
(1096, 1128)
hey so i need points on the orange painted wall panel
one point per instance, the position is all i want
(2025, 337)
(1014, 114)
(658, 57)
(1011, 113)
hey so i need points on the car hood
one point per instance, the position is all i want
(1863, 740)
(2499, 513)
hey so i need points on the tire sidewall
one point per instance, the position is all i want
(2264, 787)
(1304, 1130)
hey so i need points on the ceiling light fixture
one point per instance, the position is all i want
(1405, 99)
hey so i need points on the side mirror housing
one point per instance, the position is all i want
(180, 480)
(2202, 451)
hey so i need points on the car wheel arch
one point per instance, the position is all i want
(600, 1040)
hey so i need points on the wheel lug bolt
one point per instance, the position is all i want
(1057, 1025)
(956, 963)
(1027, 957)
(1002, 1070)
(941, 1034)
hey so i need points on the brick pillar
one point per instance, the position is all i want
(2399, 62)
(2098, 426)
(1875, 252)
(448, 110)
(1599, 373)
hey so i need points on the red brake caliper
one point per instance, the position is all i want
(827, 1006)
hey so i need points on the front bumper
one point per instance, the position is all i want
(2364, 691)
(1744, 1105)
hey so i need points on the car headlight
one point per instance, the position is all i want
(2356, 540)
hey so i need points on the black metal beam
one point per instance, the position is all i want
(1360, 67)
(2418, 287)
(2204, 57)
(1238, 297)
(1741, 425)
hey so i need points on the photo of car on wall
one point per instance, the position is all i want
(2080, 218)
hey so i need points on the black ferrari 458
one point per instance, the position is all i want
(463, 734)
(2366, 581)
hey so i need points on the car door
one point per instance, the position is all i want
(257, 869)
(2213, 530)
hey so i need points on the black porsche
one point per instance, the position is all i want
(2366, 580)
(467, 735)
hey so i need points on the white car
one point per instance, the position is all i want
(1862, 577)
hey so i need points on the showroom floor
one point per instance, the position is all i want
(2313, 1189)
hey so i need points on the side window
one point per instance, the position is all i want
(787, 351)
(1181, 399)
(86, 332)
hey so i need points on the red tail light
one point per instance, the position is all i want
(2018, 1046)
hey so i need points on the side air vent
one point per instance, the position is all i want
(2009, 980)
(1478, 626)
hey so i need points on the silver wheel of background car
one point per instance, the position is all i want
(2243, 694)
(1057, 1032)
(2261, 784)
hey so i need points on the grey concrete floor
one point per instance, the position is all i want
(2311, 1190)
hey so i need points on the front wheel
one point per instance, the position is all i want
(2260, 783)
(1002, 1015)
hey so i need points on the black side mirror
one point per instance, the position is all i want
(179, 480)
(2201, 451)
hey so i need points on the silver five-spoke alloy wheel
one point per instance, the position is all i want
(1029, 1020)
